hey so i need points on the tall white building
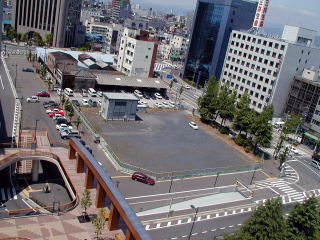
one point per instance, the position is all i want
(265, 66)
(137, 55)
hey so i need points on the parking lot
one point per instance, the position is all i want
(164, 142)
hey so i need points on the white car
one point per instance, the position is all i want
(292, 150)
(99, 93)
(186, 87)
(159, 105)
(33, 99)
(138, 93)
(99, 102)
(193, 125)
(165, 105)
(62, 125)
(171, 104)
(158, 96)
(85, 102)
(57, 115)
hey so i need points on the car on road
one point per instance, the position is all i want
(193, 125)
(27, 70)
(158, 96)
(158, 105)
(63, 125)
(165, 105)
(292, 149)
(75, 102)
(50, 104)
(61, 120)
(57, 115)
(187, 87)
(315, 164)
(175, 80)
(43, 94)
(69, 134)
(33, 99)
(141, 177)
(84, 102)
(53, 109)
(172, 104)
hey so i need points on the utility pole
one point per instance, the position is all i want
(194, 219)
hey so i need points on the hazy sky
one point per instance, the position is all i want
(304, 13)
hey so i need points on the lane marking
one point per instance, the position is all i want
(1, 82)
(28, 205)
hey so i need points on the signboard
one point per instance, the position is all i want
(261, 13)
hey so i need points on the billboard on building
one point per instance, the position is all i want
(261, 13)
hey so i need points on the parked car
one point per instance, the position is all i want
(100, 93)
(171, 104)
(84, 93)
(99, 102)
(50, 104)
(69, 134)
(52, 110)
(61, 120)
(138, 93)
(57, 115)
(146, 95)
(141, 177)
(316, 156)
(165, 105)
(85, 102)
(43, 94)
(27, 70)
(53, 114)
(158, 105)
(158, 96)
(33, 99)
(75, 102)
(63, 125)
(92, 102)
(56, 87)
(59, 91)
(165, 96)
(187, 87)
(193, 125)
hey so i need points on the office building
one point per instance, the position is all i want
(212, 24)
(137, 55)
(265, 66)
(121, 9)
(61, 18)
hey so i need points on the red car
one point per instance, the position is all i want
(55, 107)
(42, 94)
(57, 112)
(141, 177)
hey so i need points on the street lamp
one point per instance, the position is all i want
(194, 219)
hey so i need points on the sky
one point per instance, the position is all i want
(305, 13)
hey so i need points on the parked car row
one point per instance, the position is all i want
(169, 104)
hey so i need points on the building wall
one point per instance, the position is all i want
(111, 109)
(57, 17)
(265, 67)
(315, 122)
(213, 22)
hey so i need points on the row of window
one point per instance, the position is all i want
(253, 67)
(316, 122)
(248, 74)
(253, 57)
(259, 41)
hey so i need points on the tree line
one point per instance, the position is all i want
(255, 129)
(269, 222)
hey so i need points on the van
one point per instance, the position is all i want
(84, 93)
(68, 92)
(92, 92)
(315, 164)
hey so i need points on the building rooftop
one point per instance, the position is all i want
(62, 56)
(126, 81)
(120, 96)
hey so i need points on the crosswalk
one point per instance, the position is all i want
(293, 194)
(159, 66)
(288, 173)
(8, 194)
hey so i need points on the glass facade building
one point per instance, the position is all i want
(212, 24)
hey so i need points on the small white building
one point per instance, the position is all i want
(176, 49)
(119, 106)
(137, 55)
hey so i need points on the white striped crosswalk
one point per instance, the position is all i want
(160, 66)
(8, 194)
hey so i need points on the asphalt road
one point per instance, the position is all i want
(7, 106)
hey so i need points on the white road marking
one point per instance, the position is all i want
(1, 82)
(28, 205)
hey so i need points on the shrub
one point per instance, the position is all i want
(224, 130)
(240, 140)
(248, 148)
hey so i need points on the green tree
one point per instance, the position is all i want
(292, 124)
(67, 106)
(208, 103)
(70, 114)
(43, 71)
(304, 219)
(261, 128)
(100, 222)
(78, 122)
(244, 116)
(11, 33)
(49, 39)
(19, 37)
(283, 156)
(226, 104)
(266, 223)
(86, 201)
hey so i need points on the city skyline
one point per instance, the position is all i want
(281, 12)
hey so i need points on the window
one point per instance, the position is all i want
(256, 95)
(259, 41)
(259, 105)
(276, 45)
(270, 44)
(282, 47)
(264, 89)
